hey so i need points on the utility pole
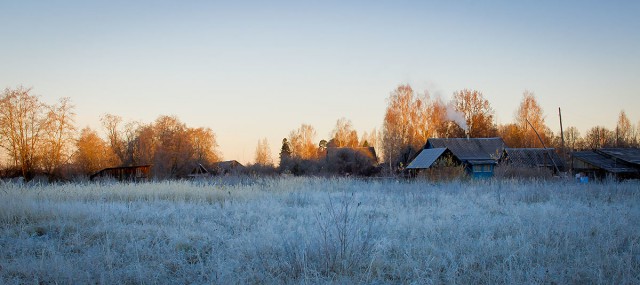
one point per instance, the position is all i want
(543, 146)
(561, 134)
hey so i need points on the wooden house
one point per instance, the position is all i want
(479, 156)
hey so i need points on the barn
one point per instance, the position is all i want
(534, 158)
(135, 173)
(620, 163)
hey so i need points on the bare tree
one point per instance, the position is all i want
(572, 138)
(511, 134)
(93, 153)
(477, 111)
(624, 131)
(112, 125)
(599, 137)
(60, 136)
(173, 151)
(302, 142)
(205, 146)
(343, 135)
(143, 146)
(23, 123)
(530, 114)
(263, 153)
(405, 125)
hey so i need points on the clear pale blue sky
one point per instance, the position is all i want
(250, 70)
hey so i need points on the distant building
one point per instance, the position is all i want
(333, 153)
(227, 167)
(479, 156)
(535, 158)
(352, 160)
(621, 163)
(124, 173)
(199, 172)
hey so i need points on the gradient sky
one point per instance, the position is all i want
(250, 70)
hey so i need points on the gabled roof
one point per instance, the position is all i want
(228, 165)
(199, 170)
(630, 155)
(603, 161)
(426, 158)
(470, 149)
(534, 157)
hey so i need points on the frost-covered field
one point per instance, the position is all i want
(313, 230)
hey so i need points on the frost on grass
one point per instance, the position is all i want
(311, 230)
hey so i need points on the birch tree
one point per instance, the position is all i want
(263, 155)
(531, 111)
(477, 111)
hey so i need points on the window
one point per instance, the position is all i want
(482, 168)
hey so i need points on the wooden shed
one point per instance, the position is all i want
(535, 158)
(621, 163)
(124, 173)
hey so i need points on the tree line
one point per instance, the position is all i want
(42, 138)
(412, 117)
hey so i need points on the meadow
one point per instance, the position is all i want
(319, 230)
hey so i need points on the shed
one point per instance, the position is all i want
(227, 167)
(621, 163)
(199, 172)
(368, 152)
(534, 158)
(629, 155)
(125, 173)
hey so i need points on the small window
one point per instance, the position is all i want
(482, 168)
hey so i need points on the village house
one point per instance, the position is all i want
(479, 156)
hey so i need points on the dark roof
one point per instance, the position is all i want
(199, 170)
(630, 155)
(126, 167)
(124, 172)
(534, 157)
(228, 165)
(369, 151)
(426, 158)
(470, 149)
(602, 161)
(482, 161)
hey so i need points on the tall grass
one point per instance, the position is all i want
(313, 230)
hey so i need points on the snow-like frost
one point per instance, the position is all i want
(313, 230)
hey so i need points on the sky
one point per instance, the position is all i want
(253, 70)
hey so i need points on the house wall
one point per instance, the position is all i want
(481, 170)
